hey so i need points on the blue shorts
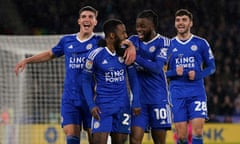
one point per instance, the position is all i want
(188, 108)
(115, 120)
(75, 112)
(154, 116)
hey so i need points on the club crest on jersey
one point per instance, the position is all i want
(120, 59)
(194, 47)
(89, 46)
(152, 49)
(89, 64)
(96, 125)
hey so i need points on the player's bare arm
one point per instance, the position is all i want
(41, 57)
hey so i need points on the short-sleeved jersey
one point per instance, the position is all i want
(109, 72)
(190, 54)
(75, 52)
(153, 84)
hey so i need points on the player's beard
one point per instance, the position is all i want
(119, 49)
(147, 36)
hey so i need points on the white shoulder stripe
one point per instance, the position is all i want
(166, 41)
(93, 54)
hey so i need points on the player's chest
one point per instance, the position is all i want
(110, 63)
(148, 51)
(77, 48)
(188, 50)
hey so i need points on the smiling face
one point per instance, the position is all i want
(87, 21)
(145, 29)
(183, 24)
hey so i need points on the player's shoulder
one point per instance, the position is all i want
(68, 38)
(93, 54)
(98, 36)
(164, 39)
(199, 39)
(133, 37)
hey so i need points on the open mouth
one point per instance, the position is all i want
(140, 35)
(86, 25)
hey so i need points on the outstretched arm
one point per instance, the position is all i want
(41, 57)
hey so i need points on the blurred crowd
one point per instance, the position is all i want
(217, 21)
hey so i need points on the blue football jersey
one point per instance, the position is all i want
(151, 57)
(109, 72)
(191, 55)
(75, 52)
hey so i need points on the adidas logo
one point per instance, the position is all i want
(104, 62)
(175, 50)
(163, 122)
(203, 113)
(70, 47)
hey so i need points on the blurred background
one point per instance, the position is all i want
(217, 21)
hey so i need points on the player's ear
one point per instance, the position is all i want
(95, 22)
(112, 35)
(191, 23)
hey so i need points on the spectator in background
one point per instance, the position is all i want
(227, 119)
(236, 111)
(227, 106)
(214, 104)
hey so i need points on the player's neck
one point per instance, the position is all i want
(84, 36)
(184, 36)
(153, 35)
(111, 48)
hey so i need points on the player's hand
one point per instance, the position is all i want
(130, 52)
(179, 70)
(191, 75)
(136, 111)
(19, 66)
(96, 113)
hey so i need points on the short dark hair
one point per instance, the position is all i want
(110, 25)
(149, 14)
(182, 12)
(88, 8)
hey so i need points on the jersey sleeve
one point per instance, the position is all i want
(87, 78)
(208, 59)
(170, 72)
(160, 58)
(134, 85)
(58, 50)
